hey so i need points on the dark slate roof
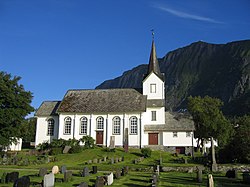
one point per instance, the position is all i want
(153, 65)
(173, 122)
(47, 108)
(103, 101)
(155, 103)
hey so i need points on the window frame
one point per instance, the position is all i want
(50, 127)
(133, 124)
(153, 115)
(116, 125)
(83, 126)
(188, 134)
(67, 125)
(100, 123)
(153, 88)
(175, 134)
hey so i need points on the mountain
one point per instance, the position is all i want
(217, 70)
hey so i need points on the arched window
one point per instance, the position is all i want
(116, 125)
(100, 123)
(133, 125)
(67, 125)
(83, 125)
(50, 131)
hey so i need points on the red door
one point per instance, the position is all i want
(99, 137)
(153, 138)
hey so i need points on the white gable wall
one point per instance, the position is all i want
(42, 129)
(152, 78)
(180, 140)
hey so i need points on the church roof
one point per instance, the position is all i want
(103, 101)
(47, 108)
(153, 63)
(173, 122)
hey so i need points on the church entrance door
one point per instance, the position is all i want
(99, 137)
(153, 138)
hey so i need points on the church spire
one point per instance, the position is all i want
(153, 65)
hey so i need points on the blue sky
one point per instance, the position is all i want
(56, 45)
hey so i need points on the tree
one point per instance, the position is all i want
(14, 107)
(28, 129)
(210, 123)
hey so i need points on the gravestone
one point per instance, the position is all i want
(90, 162)
(66, 149)
(157, 170)
(112, 160)
(63, 169)
(67, 176)
(85, 172)
(232, 174)
(55, 169)
(3, 178)
(22, 182)
(110, 179)
(126, 140)
(126, 169)
(42, 172)
(117, 174)
(154, 180)
(210, 181)
(49, 180)
(94, 168)
(11, 177)
(83, 184)
(100, 181)
(120, 159)
(100, 161)
(104, 159)
(116, 160)
(95, 161)
(112, 142)
(199, 174)
(5, 159)
(123, 172)
(246, 177)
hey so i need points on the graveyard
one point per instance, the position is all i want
(103, 166)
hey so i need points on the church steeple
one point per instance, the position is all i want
(153, 65)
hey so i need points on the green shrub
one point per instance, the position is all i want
(75, 149)
(146, 152)
(88, 142)
(107, 149)
(55, 151)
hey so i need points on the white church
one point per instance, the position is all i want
(106, 114)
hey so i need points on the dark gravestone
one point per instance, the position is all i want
(85, 172)
(11, 177)
(154, 180)
(100, 181)
(94, 168)
(118, 174)
(126, 140)
(123, 172)
(83, 184)
(3, 178)
(42, 172)
(199, 174)
(63, 169)
(231, 174)
(22, 182)
(67, 176)
(246, 177)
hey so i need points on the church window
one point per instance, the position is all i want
(188, 134)
(100, 123)
(116, 125)
(67, 125)
(175, 135)
(51, 123)
(152, 88)
(133, 125)
(83, 125)
(153, 115)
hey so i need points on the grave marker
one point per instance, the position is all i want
(67, 176)
(22, 182)
(49, 180)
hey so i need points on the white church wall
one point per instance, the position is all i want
(160, 116)
(180, 140)
(42, 129)
(158, 93)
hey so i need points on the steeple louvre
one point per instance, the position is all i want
(153, 63)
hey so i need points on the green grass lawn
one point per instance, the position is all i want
(139, 174)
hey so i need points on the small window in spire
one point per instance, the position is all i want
(152, 88)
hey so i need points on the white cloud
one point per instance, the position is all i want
(187, 15)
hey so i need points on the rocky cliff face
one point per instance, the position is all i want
(217, 70)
